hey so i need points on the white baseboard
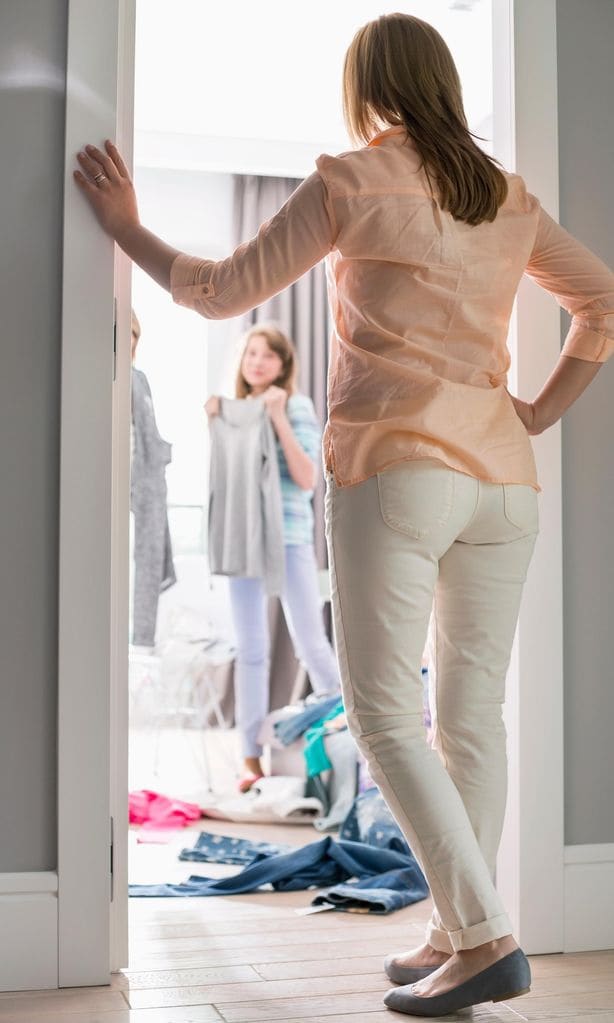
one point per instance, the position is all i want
(589, 897)
(29, 926)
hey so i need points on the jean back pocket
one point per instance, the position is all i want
(520, 506)
(416, 497)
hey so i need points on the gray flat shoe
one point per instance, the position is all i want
(507, 978)
(405, 974)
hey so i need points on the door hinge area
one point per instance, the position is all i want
(112, 854)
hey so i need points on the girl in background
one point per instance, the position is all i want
(268, 369)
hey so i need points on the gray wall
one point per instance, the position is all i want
(32, 90)
(585, 40)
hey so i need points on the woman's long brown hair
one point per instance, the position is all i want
(399, 71)
(279, 343)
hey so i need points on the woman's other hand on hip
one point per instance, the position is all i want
(525, 410)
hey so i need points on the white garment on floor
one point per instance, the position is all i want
(274, 800)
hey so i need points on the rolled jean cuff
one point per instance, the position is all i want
(438, 939)
(469, 937)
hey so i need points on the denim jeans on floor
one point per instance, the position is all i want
(434, 536)
(289, 729)
(381, 894)
(389, 879)
(370, 820)
(303, 612)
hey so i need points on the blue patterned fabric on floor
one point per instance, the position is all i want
(224, 849)
(370, 821)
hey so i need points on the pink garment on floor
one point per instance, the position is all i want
(157, 812)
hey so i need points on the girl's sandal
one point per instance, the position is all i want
(245, 784)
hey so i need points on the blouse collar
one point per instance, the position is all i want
(398, 132)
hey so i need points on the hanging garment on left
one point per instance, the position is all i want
(153, 557)
(246, 535)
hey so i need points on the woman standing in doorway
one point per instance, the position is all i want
(268, 370)
(432, 489)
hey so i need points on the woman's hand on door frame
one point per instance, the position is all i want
(106, 184)
(105, 181)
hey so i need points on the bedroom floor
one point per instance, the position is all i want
(255, 957)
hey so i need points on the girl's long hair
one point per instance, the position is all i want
(399, 71)
(279, 343)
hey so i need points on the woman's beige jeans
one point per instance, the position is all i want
(417, 536)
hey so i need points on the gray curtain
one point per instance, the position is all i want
(302, 312)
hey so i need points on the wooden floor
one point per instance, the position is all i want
(257, 958)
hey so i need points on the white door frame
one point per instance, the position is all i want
(93, 489)
(530, 863)
(560, 897)
(120, 521)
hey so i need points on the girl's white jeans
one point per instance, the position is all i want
(303, 613)
(415, 537)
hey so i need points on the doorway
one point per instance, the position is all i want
(189, 158)
(520, 124)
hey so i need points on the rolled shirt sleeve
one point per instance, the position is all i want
(581, 283)
(286, 246)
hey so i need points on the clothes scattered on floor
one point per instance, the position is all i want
(370, 821)
(385, 880)
(384, 893)
(245, 509)
(316, 732)
(273, 800)
(339, 785)
(315, 752)
(293, 725)
(225, 849)
(380, 894)
(156, 812)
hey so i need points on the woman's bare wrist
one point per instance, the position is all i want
(128, 237)
(543, 417)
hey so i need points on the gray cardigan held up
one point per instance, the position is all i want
(245, 508)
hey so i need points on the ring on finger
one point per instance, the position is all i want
(100, 177)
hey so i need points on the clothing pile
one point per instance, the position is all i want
(324, 780)
(315, 735)
(375, 872)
